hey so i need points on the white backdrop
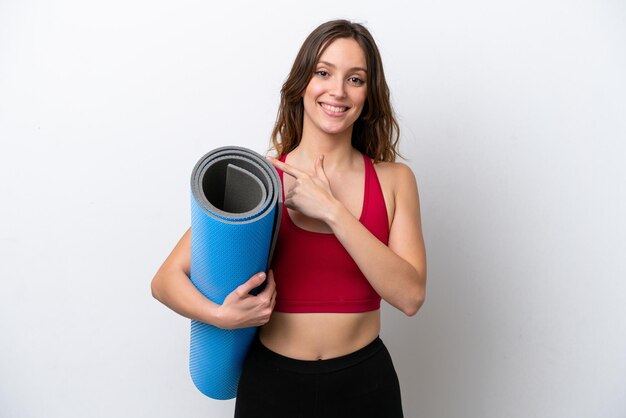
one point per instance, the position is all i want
(513, 120)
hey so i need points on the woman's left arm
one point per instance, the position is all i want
(396, 271)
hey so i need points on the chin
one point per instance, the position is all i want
(335, 131)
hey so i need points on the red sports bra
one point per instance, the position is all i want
(314, 272)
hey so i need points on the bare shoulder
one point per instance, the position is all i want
(395, 176)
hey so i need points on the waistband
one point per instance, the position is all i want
(316, 366)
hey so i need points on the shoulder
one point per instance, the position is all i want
(395, 176)
(398, 184)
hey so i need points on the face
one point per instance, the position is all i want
(336, 94)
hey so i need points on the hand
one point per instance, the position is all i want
(311, 193)
(241, 309)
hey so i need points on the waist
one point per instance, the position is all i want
(316, 366)
(316, 336)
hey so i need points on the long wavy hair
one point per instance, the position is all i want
(376, 132)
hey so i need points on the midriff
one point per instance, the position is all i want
(319, 336)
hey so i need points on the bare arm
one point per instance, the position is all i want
(172, 287)
(398, 271)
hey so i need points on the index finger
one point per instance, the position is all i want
(289, 169)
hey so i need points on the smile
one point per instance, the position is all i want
(333, 109)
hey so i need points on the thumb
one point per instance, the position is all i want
(319, 167)
(254, 281)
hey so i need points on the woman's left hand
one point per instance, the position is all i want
(310, 194)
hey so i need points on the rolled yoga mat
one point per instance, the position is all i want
(236, 201)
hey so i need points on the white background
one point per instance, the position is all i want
(513, 120)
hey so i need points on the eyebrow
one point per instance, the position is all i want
(334, 66)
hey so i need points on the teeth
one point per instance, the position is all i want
(333, 108)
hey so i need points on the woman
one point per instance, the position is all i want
(350, 235)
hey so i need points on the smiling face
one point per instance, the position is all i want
(336, 94)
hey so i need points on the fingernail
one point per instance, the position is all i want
(262, 275)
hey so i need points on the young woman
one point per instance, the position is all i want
(350, 235)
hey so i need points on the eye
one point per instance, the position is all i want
(322, 73)
(356, 81)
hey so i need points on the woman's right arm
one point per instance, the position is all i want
(172, 287)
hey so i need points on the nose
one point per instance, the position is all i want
(338, 88)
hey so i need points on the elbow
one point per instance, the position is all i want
(154, 288)
(414, 304)
(416, 297)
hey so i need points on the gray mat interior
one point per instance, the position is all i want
(234, 183)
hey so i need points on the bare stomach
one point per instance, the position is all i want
(317, 336)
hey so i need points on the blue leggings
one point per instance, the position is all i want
(361, 384)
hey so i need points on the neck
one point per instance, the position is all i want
(337, 149)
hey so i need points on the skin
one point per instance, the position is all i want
(324, 193)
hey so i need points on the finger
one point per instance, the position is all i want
(253, 282)
(288, 203)
(319, 167)
(271, 284)
(289, 169)
(273, 303)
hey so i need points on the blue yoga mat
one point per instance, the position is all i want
(236, 202)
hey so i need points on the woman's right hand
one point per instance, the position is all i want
(172, 287)
(241, 309)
